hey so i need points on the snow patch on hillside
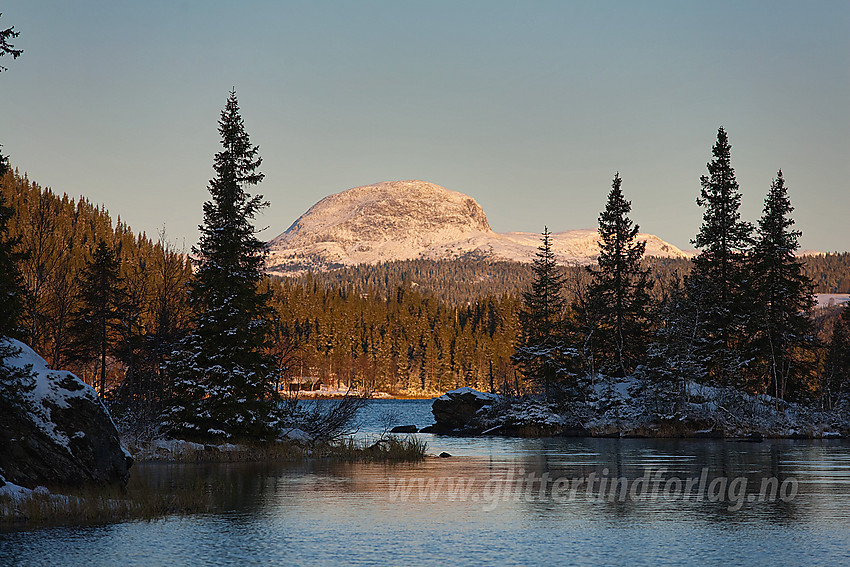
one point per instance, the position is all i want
(407, 220)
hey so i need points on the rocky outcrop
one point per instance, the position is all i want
(634, 407)
(456, 409)
(55, 430)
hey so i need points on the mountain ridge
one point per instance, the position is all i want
(413, 219)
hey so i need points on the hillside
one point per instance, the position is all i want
(413, 220)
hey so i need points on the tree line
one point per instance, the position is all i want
(200, 344)
(741, 315)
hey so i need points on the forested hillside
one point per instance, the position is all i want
(386, 334)
(414, 326)
(460, 282)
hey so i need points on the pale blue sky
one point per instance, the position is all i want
(529, 107)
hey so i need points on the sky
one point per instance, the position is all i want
(528, 107)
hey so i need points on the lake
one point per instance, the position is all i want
(495, 501)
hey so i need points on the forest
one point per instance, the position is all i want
(416, 326)
(148, 325)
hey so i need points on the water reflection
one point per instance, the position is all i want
(338, 513)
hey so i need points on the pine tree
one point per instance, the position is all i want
(720, 275)
(94, 328)
(224, 380)
(836, 380)
(781, 328)
(620, 289)
(541, 352)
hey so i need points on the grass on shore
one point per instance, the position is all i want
(102, 505)
(141, 500)
(387, 448)
(384, 449)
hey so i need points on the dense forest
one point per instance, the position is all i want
(202, 343)
(396, 338)
(415, 326)
(460, 282)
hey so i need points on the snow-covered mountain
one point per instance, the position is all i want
(404, 220)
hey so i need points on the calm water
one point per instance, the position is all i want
(321, 514)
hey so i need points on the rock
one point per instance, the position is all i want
(404, 429)
(58, 432)
(444, 455)
(296, 434)
(455, 409)
(429, 429)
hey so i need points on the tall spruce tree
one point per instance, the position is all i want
(541, 352)
(224, 380)
(782, 338)
(720, 272)
(620, 289)
(94, 327)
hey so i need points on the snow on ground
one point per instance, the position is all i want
(328, 391)
(405, 220)
(632, 405)
(13, 491)
(826, 300)
(52, 388)
(296, 434)
(467, 390)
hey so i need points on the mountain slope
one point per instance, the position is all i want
(406, 220)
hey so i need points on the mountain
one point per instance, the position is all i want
(406, 220)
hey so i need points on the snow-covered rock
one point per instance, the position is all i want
(405, 220)
(296, 434)
(635, 406)
(57, 431)
(455, 409)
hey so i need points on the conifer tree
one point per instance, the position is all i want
(94, 327)
(224, 381)
(781, 328)
(7, 48)
(836, 380)
(620, 288)
(720, 275)
(541, 352)
(11, 281)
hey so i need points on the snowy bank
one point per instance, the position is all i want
(635, 407)
(53, 427)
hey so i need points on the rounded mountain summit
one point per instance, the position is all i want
(405, 220)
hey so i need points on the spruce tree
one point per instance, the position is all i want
(14, 382)
(720, 275)
(836, 379)
(781, 327)
(620, 289)
(94, 327)
(224, 380)
(540, 353)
